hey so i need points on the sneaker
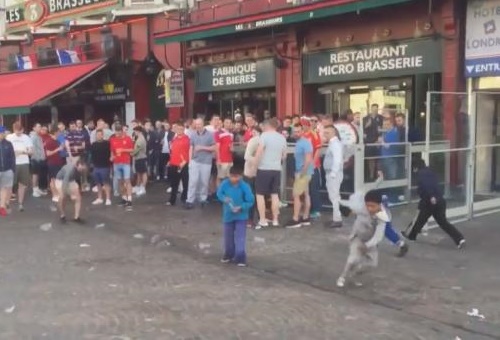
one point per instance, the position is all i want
(283, 204)
(241, 264)
(292, 224)
(403, 249)
(461, 244)
(95, 189)
(305, 221)
(141, 192)
(98, 201)
(55, 199)
(168, 204)
(43, 192)
(21, 208)
(261, 225)
(122, 203)
(78, 220)
(135, 190)
(62, 219)
(128, 206)
(315, 215)
(225, 260)
(275, 223)
(341, 282)
(108, 203)
(3, 212)
(169, 190)
(86, 188)
(36, 193)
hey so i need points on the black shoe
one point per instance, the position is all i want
(403, 249)
(405, 234)
(122, 203)
(128, 206)
(305, 221)
(62, 219)
(292, 224)
(78, 220)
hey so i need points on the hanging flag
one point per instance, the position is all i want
(67, 57)
(24, 62)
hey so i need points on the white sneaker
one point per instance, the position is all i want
(169, 190)
(95, 189)
(141, 192)
(98, 201)
(135, 190)
(36, 192)
(108, 203)
(43, 192)
(340, 282)
(55, 199)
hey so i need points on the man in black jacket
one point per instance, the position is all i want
(432, 203)
(7, 169)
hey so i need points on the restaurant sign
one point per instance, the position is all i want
(237, 76)
(373, 61)
(37, 12)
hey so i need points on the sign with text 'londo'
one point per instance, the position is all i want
(373, 61)
(237, 76)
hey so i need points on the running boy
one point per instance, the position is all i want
(67, 186)
(237, 198)
(367, 232)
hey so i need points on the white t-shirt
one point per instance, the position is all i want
(21, 143)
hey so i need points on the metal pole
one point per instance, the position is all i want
(427, 126)
(471, 166)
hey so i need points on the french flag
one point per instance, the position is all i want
(67, 57)
(24, 62)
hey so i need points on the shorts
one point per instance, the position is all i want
(53, 170)
(37, 166)
(101, 176)
(223, 170)
(22, 175)
(301, 185)
(141, 166)
(121, 171)
(267, 182)
(6, 179)
(72, 188)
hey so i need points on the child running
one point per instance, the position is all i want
(237, 198)
(367, 232)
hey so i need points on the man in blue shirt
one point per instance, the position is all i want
(304, 169)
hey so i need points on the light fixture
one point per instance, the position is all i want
(256, 53)
(427, 26)
(417, 33)
(337, 42)
(305, 48)
(375, 37)
(386, 33)
(349, 38)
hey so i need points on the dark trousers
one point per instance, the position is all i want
(251, 212)
(162, 164)
(314, 188)
(153, 163)
(438, 211)
(175, 176)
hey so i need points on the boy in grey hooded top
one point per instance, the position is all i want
(367, 232)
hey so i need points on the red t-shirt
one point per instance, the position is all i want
(315, 140)
(179, 150)
(50, 144)
(124, 142)
(248, 135)
(225, 140)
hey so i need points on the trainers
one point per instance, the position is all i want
(98, 201)
(292, 224)
(168, 204)
(122, 203)
(78, 220)
(283, 204)
(62, 219)
(21, 207)
(169, 190)
(241, 264)
(43, 192)
(55, 199)
(261, 225)
(36, 193)
(95, 189)
(305, 221)
(341, 282)
(135, 190)
(315, 215)
(461, 244)
(275, 223)
(403, 249)
(3, 212)
(108, 203)
(128, 206)
(225, 260)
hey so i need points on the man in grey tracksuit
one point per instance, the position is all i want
(201, 155)
(334, 171)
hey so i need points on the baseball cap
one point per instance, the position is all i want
(2, 129)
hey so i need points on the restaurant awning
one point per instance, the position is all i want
(19, 91)
(272, 18)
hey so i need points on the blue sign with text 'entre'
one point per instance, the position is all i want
(482, 67)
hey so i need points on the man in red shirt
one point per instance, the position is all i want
(251, 123)
(122, 147)
(315, 183)
(178, 169)
(224, 152)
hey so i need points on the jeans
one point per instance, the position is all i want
(162, 164)
(391, 234)
(177, 177)
(333, 188)
(314, 188)
(234, 241)
(199, 180)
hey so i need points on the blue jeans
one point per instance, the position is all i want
(314, 187)
(391, 234)
(235, 234)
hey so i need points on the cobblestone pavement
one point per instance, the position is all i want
(154, 274)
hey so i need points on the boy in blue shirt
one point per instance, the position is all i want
(237, 198)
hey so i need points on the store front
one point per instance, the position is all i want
(240, 87)
(396, 76)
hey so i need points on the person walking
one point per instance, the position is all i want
(334, 165)
(432, 203)
(178, 170)
(7, 169)
(201, 155)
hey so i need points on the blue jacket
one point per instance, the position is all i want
(240, 195)
(7, 156)
(428, 187)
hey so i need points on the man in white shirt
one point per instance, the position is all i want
(334, 171)
(23, 148)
